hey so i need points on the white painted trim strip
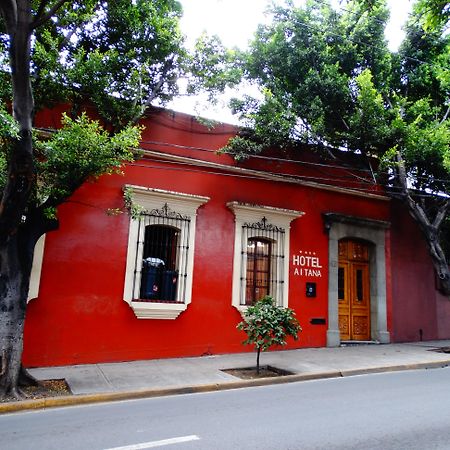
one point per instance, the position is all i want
(161, 443)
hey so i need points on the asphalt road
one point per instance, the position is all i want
(402, 410)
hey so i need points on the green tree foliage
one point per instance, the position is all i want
(328, 79)
(435, 13)
(122, 55)
(213, 67)
(304, 61)
(80, 151)
(267, 324)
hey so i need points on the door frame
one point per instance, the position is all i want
(339, 227)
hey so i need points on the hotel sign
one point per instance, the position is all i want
(307, 264)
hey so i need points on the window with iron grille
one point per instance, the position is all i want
(261, 251)
(160, 256)
(161, 269)
(262, 260)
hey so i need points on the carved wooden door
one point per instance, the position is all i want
(354, 291)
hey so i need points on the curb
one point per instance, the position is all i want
(397, 368)
(83, 399)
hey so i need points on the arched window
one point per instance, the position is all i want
(161, 242)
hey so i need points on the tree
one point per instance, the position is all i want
(435, 13)
(120, 55)
(329, 80)
(267, 324)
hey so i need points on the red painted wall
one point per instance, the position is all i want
(80, 315)
(416, 305)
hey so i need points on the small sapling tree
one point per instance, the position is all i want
(267, 324)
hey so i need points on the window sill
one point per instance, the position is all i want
(154, 310)
(242, 309)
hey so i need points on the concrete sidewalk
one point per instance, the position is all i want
(92, 383)
(191, 372)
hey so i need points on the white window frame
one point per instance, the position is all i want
(246, 213)
(150, 199)
(36, 269)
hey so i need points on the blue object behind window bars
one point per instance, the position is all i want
(162, 270)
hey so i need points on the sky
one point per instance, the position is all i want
(235, 21)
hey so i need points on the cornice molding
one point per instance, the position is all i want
(153, 154)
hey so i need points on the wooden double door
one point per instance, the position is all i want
(354, 291)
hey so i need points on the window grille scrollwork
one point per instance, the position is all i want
(264, 225)
(166, 212)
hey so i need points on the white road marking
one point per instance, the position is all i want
(161, 443)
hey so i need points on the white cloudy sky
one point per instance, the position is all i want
(235, 21)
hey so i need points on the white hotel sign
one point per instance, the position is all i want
(307, 264)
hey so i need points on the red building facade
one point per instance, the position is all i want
(215, 235)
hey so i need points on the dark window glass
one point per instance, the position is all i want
(359, 285)
(159, 266)
(161, 243)
(341, 283)
(258, 269)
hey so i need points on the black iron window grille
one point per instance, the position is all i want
(161, 263)
(262, 262)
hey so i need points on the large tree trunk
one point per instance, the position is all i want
(13, 297)
(20, 224)
(21, 176)
(15, 265)
(16, 259)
